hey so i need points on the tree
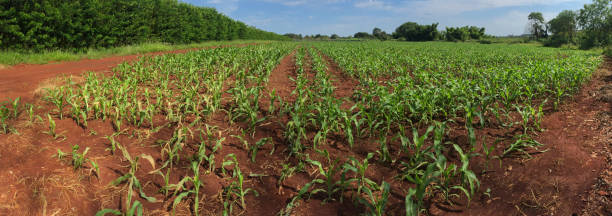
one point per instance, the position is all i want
(334, 36)
(293, 36)
(363, 35)
(536, 25)
(411, 31)
(82, 24)
(595, 21)
(476, 33)
(380, 34)
(457, 34)
(563, 28)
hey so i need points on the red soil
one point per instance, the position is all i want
(33, 183)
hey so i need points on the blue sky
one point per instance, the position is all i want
(345, 17)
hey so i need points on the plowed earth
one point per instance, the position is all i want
(572, 177)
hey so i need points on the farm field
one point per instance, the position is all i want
(316, 128)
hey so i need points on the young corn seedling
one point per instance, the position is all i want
(15, 105)
(289, 171)
(132, 207)
(414, 198)
(526, 115)
(360, 168)
(113, 142)
(258, 144)
(117, 120)
(467, 177)
(78, 159)
(57, 97)
(4, 117)
(522, 142)
(488, 150)
(383, 152)
(30, 111)
(197, 183)
(174, 145)
(52, 125)
(273, 99)
(446, 173)
(166, 176)
(421, 153)
(374, 203)
(331, 187)
(236, 189)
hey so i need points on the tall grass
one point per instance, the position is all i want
(12, 57)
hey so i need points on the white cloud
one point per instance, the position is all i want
(449, 7)
(224, 6)
(304, 2)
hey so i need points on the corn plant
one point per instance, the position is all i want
(520, 145)
(60, 155)
(52, 128)
(132, 207)
(359, 169)
(113, 142)
(467, 177)
(375, 204)
(197, 183)
(236, 189)
(78, 159)
(7, 114)
(414, 198)
(4, 117)
(331, 187)
(57, 97)
(258, 144)
(289, 171)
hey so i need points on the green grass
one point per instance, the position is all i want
(608, 51)
(27, 57)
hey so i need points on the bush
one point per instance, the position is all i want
(556, 41)
(485, 42)
(608, 51)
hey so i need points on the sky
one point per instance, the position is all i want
(346, 17)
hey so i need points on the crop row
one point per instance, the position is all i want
(410, 96)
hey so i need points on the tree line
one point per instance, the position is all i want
(409, 31)
(81, 24)
(588, 27)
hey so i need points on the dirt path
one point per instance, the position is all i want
(23, 79)
(345, 85)
(280, 78)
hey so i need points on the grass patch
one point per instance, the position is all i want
(10, 57)
(608, 51)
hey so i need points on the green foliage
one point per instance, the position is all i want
(9, 110)
(563, 28)
(77, 25)
(595, 20)
(464, 33)
(537, 25)
(411, 31)
(363, 35)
